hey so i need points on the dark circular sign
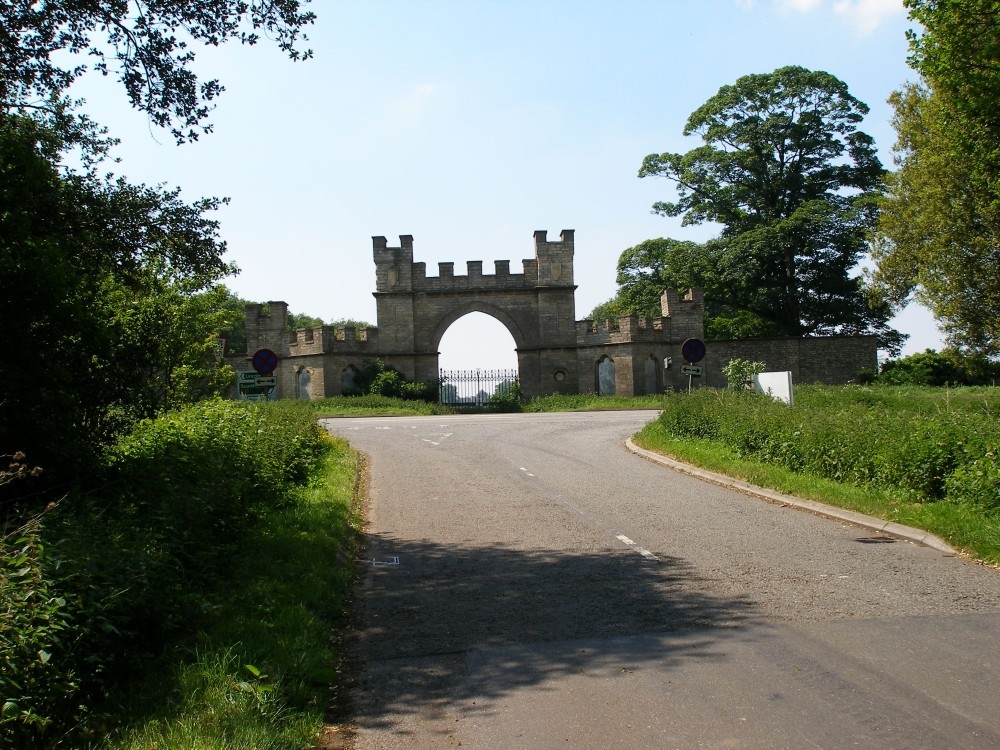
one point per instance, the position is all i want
(264, 361)
(693, 350)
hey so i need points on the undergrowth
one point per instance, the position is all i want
(112, 596)
(930, 453)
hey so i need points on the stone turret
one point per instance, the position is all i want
(267, 327)
(686, 312)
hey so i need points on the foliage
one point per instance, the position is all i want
(139, 565)
(142, 44)
(107, 291)
(378, 379)
(301, 320)
(357, 325)
(739, 373)
(645, 270)
(956, 53)
(949, 367)
(609, 310)
(37, 680)
(262, 668)
(914, 441)
(235, 332)
(786, 172)
(940, 219)
(505, 399)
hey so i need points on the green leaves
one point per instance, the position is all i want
(940, 218)
(143, 44)
(880, 437)
(111, 288)
(791, 180)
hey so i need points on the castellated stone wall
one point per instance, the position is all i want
(555, 352)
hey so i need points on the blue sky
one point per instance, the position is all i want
(470, 125)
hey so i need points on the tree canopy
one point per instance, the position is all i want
(108, 297)
(939, 233)
(109, 290)
(146, 44)
(791, 180)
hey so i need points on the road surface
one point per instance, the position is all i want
(528, 583)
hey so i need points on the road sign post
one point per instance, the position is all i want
(693, 351)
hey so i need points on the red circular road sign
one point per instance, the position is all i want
(693, 350)
(264, 361)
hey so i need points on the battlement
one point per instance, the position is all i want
(690, 303)
(624, 330)
(686, 312)
(474, 279)
(395, 271)
(330, 340)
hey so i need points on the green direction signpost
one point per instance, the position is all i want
(252, 386)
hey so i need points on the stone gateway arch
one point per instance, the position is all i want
(537, 306)
(555, 352)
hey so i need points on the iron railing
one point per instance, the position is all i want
(475, 387)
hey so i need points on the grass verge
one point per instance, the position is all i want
(592, 402)
(375, 406)
(259, 674)
(965, 528)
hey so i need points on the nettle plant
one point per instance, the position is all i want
(739, 373)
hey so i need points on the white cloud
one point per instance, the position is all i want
(867, 15)
(800, 6)
(864, 15)
(411, 105)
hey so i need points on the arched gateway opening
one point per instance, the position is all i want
(477, 358)
(536, 306)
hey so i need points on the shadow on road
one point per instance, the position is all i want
(449, 625)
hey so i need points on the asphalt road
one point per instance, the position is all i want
(531, 584)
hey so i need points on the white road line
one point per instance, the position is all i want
(644, 552)
(596, 521)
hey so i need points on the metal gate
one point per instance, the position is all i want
(475, 387)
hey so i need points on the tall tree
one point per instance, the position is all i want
(107, 289)
(102, 288)
(791, 179)
(146, 44)
(939, 232)
(958, 54)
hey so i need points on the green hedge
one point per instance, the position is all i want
(933, 445)
(98, 588)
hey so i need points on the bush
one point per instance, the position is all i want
(948, 367)
(378, 379)
(138, 563)
(932, 447)
(507, 400)
(739, 373)
(977, 483)
(37, 680)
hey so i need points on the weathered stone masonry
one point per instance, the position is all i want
(555, 352)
